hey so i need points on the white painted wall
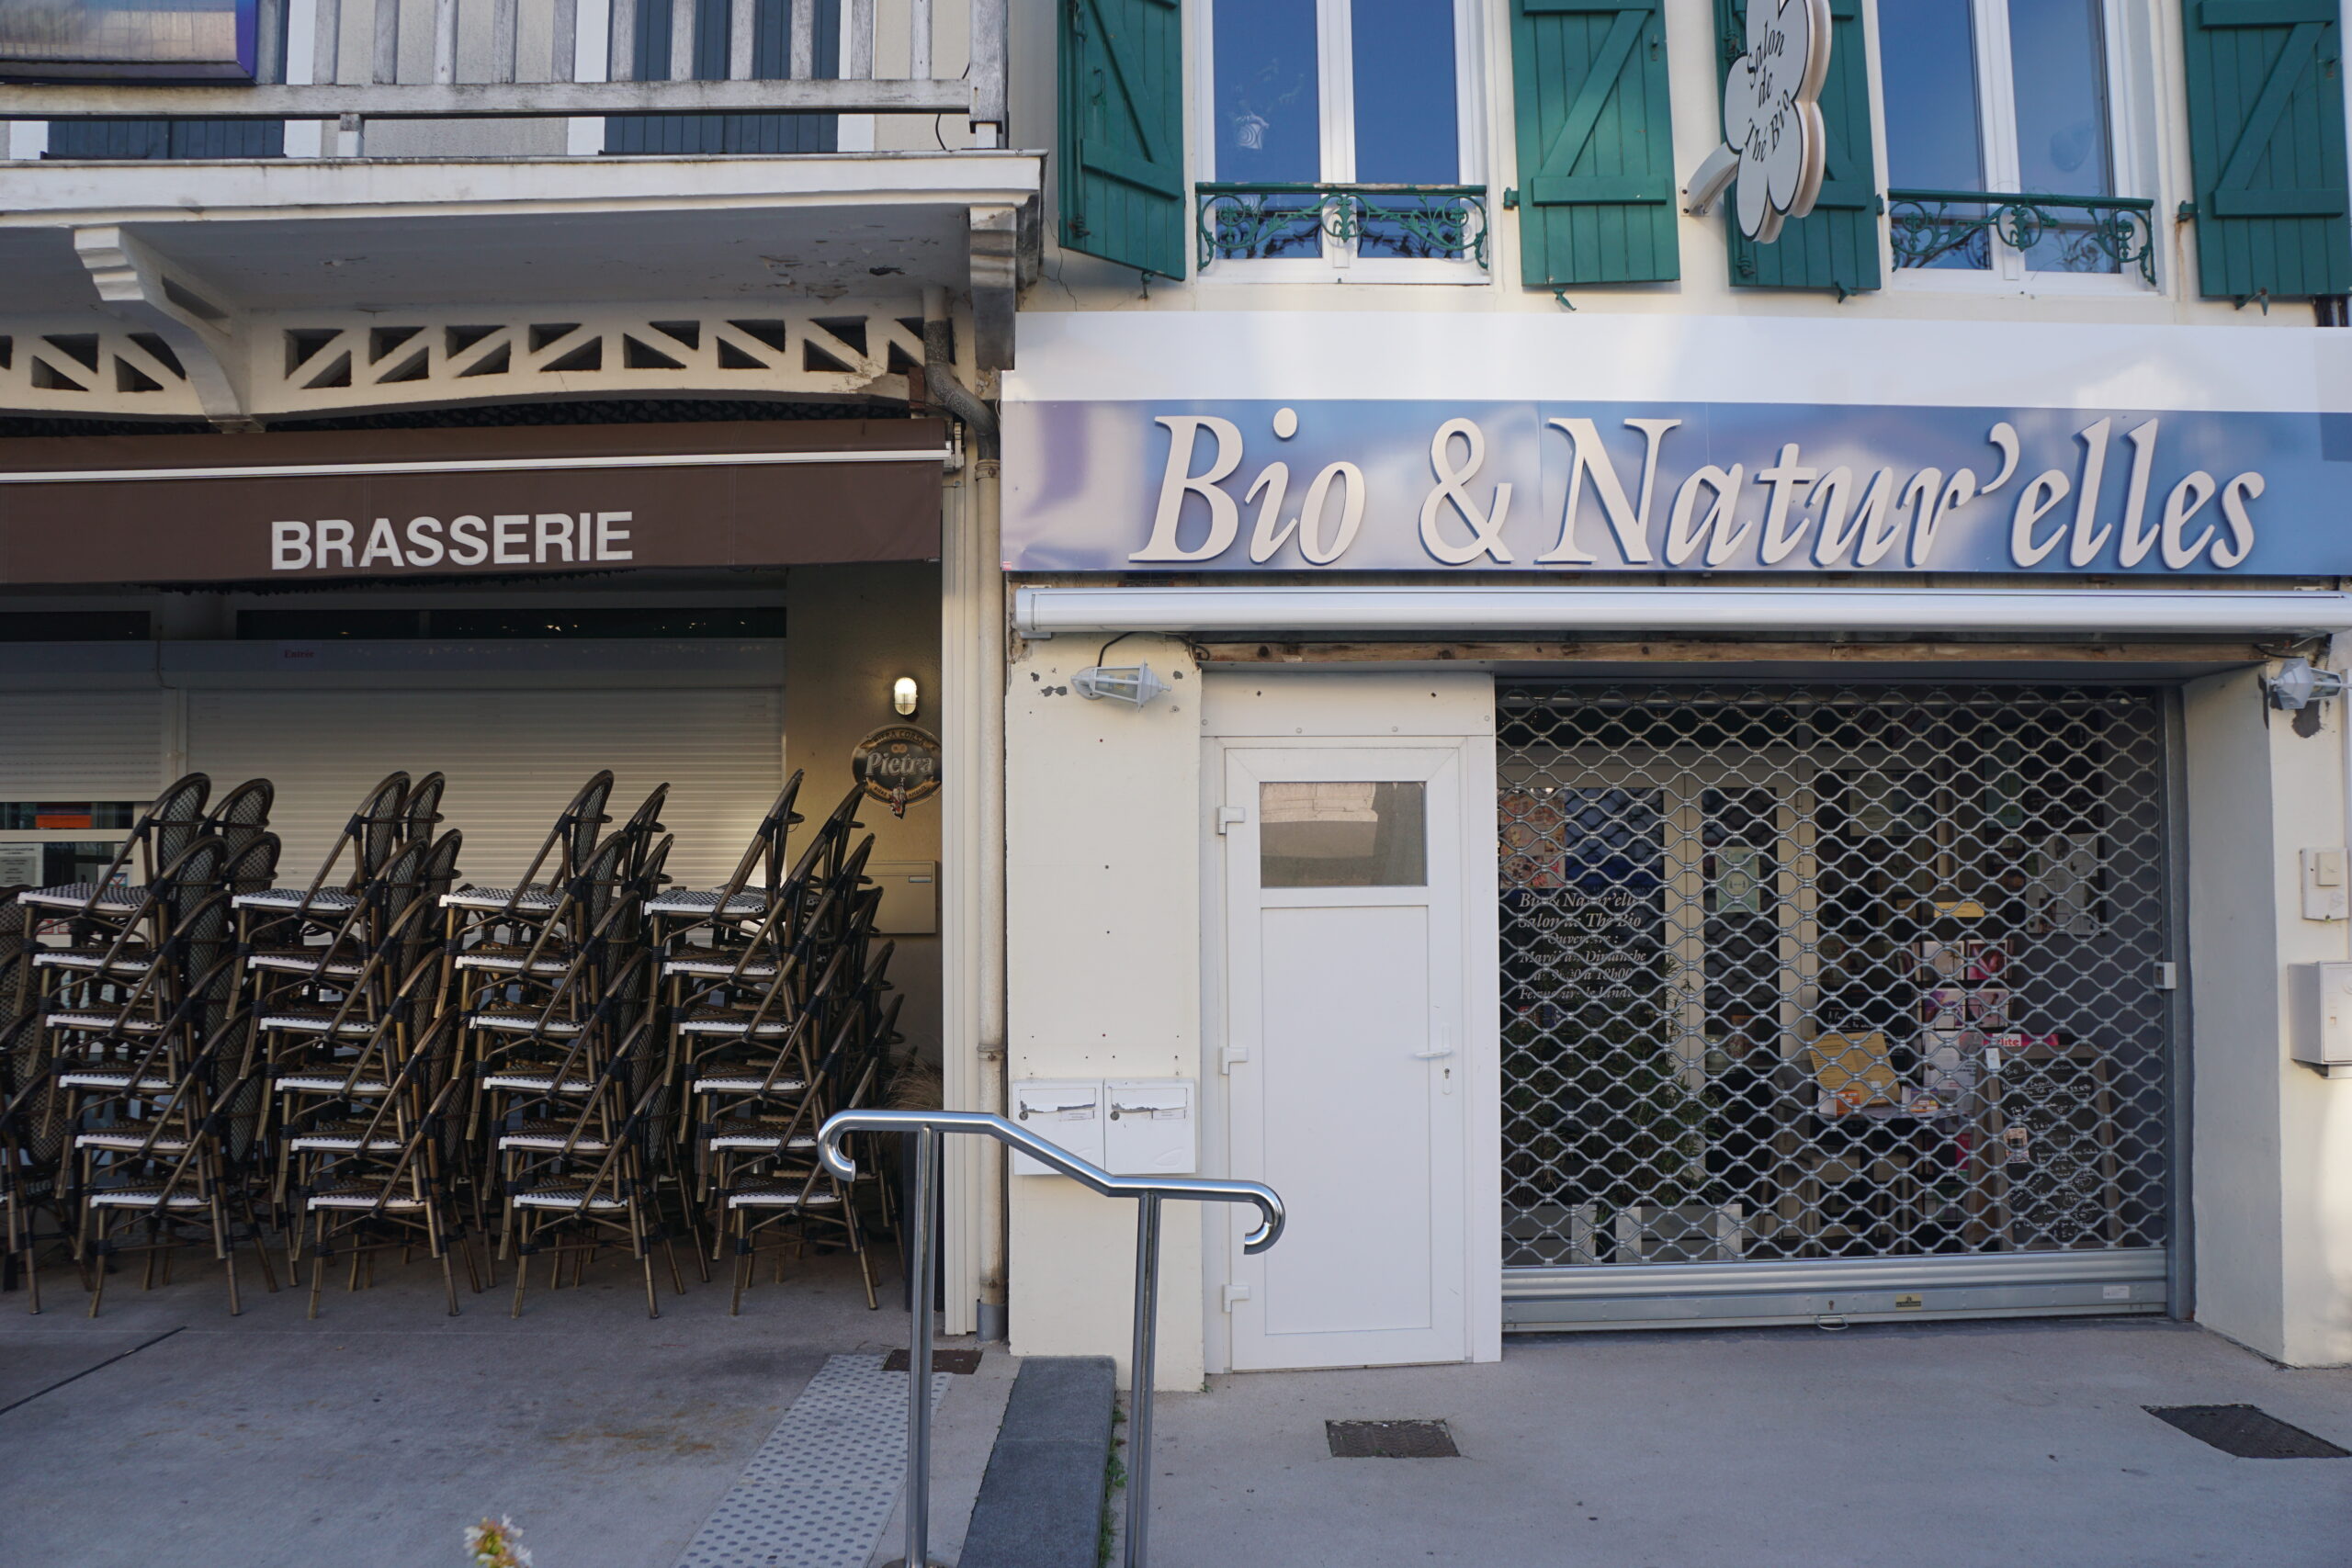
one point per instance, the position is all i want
(1102, 917)
(2271, 1160)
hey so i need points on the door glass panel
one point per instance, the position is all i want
(1342, 835)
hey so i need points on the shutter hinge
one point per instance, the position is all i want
(2188, 213)
(1229, 1055)
(1232, 1294)
(1230, 817)
(1511, 199)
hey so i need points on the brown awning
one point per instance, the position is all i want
(349, 505)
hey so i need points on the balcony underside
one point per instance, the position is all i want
(232, 292)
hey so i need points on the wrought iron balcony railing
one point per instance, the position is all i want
(1260, 222)
(2056, 233)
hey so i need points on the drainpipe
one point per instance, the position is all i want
(941, 384)
(944, 388)
(995, 1241)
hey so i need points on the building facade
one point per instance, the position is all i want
(510, 390)
(1698, 776)
(1644, 758)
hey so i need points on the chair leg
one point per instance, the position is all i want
(677, 1280)
(318, 1275)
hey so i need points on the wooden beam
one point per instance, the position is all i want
(487, 100)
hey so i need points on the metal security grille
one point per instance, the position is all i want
(1832, 972)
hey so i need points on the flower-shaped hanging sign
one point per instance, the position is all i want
(1772, 133)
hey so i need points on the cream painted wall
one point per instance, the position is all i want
(2153, 155)
(2271, 1157)
(1103, 822)
(849, 632)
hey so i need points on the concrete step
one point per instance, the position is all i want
(1041, 1502)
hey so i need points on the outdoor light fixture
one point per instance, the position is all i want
(1121, 683)
(904, 696)
(2300, 683)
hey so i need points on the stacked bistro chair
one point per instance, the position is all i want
(772, 1030)
(32, 1183)
(585, 1172)
(119, 990)
(552, 983)
(154, 1164)
(685, 917)
(766, 1178)
(372, 1158)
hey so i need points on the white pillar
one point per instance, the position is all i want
(2271, 1172)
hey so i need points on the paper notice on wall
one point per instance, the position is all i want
(20, 864)
(2063, 893)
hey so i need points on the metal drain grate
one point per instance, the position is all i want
(2244, 1431)
(962, 1362)
(1390, 1440)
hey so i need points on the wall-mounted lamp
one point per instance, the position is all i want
(905, 696)
(2300, 683)
(1121, 683)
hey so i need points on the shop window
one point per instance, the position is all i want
(2002, 139)
(762, 621)
(1341, 133)
(59, 815)
(73, 625)
(657, 622)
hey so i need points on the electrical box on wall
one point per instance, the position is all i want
(1066, 1112)
(2320, 1005)
(1148, 1130)
(910, 904)
(2327, 888)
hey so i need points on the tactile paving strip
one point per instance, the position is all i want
(821, 1488)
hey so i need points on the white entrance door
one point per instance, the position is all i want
(1343, 1058)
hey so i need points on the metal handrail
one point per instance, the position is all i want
(923, 1268)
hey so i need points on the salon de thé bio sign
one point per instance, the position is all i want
(1396, 486)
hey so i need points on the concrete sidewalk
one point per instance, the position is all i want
(1963, 1446)
(372, 1436)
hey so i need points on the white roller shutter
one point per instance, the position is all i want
(74, 746)
(514, 759)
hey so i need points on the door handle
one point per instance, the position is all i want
(1444, 1047)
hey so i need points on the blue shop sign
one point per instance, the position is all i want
(1371, 485)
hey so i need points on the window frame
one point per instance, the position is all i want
(1997, 110)
(1335, 84)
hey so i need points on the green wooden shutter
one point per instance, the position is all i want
(1837, 246)
(2265, 132)
(1596, 143)
(1123, 132)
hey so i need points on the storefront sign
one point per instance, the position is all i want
(898, 765)
(1220, 486)
(389, 505)
(1772, 128)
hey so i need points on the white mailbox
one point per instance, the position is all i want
(1067, 1112)
(2321, 1001)
(1147, 1129)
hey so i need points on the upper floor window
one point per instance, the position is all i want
(1990, 99)
(1338, 131)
